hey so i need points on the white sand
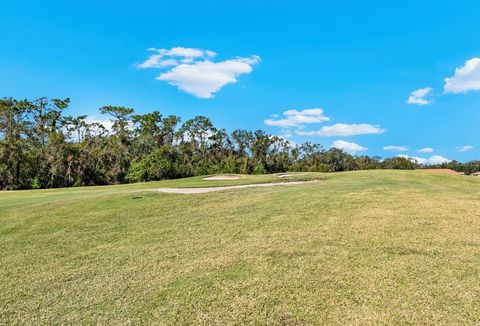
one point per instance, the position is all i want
(289, 175)
(211, 189)
(286, 175)
(222, 177)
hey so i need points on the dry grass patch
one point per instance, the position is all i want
(440, 171)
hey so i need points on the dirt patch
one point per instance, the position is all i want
(222, 177)
(440, 171)
(212, 189)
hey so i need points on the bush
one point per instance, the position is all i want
(35, 184)
(259, 168)
(162, 163)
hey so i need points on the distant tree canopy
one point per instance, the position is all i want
(41, 147)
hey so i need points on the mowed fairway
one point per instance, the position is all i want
(367, 247)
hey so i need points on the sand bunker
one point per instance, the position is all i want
(286, 175)
(222, 177)
(211, 189)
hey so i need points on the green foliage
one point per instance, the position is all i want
(40, 147)
(258, 168)
(467, 168)
(398, 163)
(35, 183)
(162, 163)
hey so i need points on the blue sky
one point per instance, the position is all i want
(342, 71)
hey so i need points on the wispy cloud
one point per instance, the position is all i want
(419, 96)
(285, 134)
(466, 78)
(175, 56)
(295, 118)
(426, 150)
(432, 160)
(193, 71)
(343, 129)
(396, 148)
(465, 148)
(351, 148)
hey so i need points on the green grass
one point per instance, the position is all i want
(368, 247)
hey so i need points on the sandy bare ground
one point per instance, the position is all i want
(289, 175)
(222, 177)
(189, 191)
(440, 171)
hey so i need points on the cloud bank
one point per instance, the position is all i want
(351, 148)
(432, 160)
(343, 129)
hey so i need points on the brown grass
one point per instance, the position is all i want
(441, 171)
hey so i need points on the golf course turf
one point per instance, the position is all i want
(366, 247)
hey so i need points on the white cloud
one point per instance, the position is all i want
(436, 159)
(107, 123)
(418, 96)
(351, 148)
(466, 78)
(165, 58)
(156, 61)
(432, 160)
(203, 79)
(342, 129)
(465, 148)
(396, 148)
(185, 52)
(285, 133)
(194, 72)
(294, 118)
(426, 150)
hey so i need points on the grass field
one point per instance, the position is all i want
(367, 247)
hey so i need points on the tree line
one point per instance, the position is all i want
(42, 147)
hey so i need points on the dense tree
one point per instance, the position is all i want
(14, 164)
(467, 168)
(40, 147)
(398, 163)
